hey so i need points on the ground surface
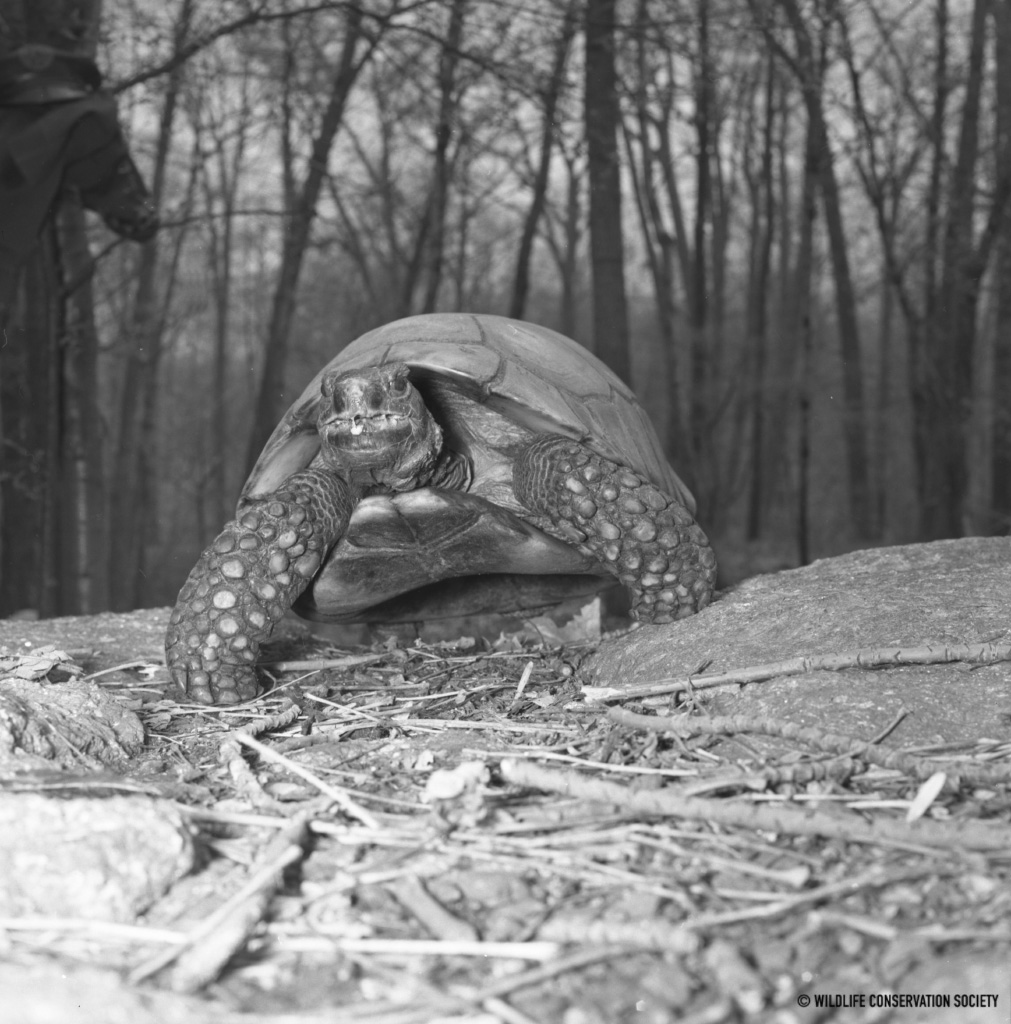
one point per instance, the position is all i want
(457, 832)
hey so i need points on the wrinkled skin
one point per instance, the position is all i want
(377, 435)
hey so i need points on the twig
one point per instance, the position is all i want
(891, 727)
(288, 713)
(136, 663)
(976, 654)
(319, 664)
(657, 934)
(412, 895)
(110, 930)
(795, 877)
(429, 947)
(961, 835)
(552, 969)
(212, 943)
(245, 780)
(833, 743)
(346, 804)
(524, 679)
(839, 769)
(388, 721)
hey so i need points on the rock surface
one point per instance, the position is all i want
(70, 724)
(947, 592)
(101, 857)
(53, 994)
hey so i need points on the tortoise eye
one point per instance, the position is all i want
(400, 383)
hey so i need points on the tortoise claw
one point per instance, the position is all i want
(227, 684)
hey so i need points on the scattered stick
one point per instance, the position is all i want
(590, 931)
(287, 714)
(536, 950)
(839, 769)
(882, 657)
(833, 743)
(412, 895)
(968, 835)
(230, 755)
(208, 947)
(245, 780)
(136, 663)
(319, 664)
(92, 929)
(552, 969)
(346, 804)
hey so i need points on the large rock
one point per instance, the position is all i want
(947, 592)
(105, 857)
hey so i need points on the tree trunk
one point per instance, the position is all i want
(809, 66)
(552, 92)
(565, 250)
(1001, 471)
(946, 381)
(759, 267)
(298, 227)
(131, 512)
(221, 181)
(883, 421)
(801, 330)
(449, 58)
(82, 504)
(657, 236)
(855, 407)
(698, 295)
(602, 116)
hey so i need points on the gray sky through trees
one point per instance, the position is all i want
(811, 223)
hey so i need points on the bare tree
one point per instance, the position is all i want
(549, 131)
(807, 59)
(602, 118)
(761, 185)
(650, 165)
(1001, 459)
(960, 230)
(131, 511)
(449, 58)
(222, 136)
(563, 233)
(945, 378)
(300, 213)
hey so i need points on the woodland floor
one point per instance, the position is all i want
(453, 831)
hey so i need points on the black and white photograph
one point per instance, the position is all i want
(505, 511)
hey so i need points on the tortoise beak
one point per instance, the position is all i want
(359, 428)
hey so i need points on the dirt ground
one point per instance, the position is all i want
(533, 826)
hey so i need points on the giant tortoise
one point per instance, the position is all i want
(443, 453)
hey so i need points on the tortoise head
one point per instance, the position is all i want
(374, 427)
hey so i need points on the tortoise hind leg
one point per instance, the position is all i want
(247, 579)
(644, 537)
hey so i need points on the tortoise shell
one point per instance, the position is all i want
(489, 381)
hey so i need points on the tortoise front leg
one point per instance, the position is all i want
(247, 579)
(644, 537)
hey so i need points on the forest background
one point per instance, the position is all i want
(786, 222)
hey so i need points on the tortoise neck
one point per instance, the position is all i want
(450, 471)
